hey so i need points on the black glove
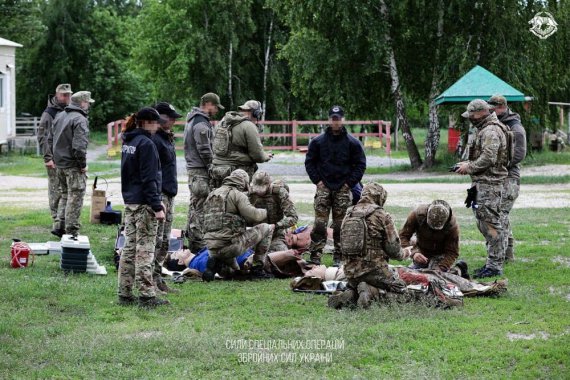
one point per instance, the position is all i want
(471, 200)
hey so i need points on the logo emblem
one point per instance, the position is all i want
(543, 25)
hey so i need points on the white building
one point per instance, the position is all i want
(7, 90)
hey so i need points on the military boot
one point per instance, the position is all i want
(487, 272)
(257, 272)
(463, 268)
(211, 269)
(152, 302)
(161, 285)
(366, 295)
(126, 301)
(340, 299)
(315, 257)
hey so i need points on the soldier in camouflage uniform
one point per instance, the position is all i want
(237, 144)
(226, 212)
(512, 183)
(198, 154)
(141, 190)
(335, 162)
(69, 138)
(273, 196)
(487, 168)
(164, 141)
(55, 105)
(368, 240)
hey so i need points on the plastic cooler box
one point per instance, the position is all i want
(74, 253)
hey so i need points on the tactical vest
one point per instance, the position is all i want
(222, 144)
(354, 237)
(216, 217)
(271, 202)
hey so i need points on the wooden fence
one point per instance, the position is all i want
(293, 132)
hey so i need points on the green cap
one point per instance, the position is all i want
(82, 96)
(211, 98)
(474, 106)
(64, 88)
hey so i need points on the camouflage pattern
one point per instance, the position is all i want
(382, 244)
(280, 211)
(488, 153)
(54, 195)
(82, 96)
(135, 266)
(219, 172)
(489, 222)
(163, 236)
(198, 183)
(474, 106)
(72, 185)
(326, 200)
(257, 237)
(510, 195)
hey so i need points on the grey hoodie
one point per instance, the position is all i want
(69, 138)
(46, 122)
(513, 121)
(198, 140)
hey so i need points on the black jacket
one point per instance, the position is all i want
(140, 170)
(335, 160)
(167, 154)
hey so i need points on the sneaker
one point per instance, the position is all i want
(161, 285)
(126, 301)
(487, 272)
(339, 299)
(257, 272)
(464, 269)
(152, 302)
(210, 271)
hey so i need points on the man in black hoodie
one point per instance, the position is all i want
(69, 138)
(335, 163)
(164, 141)
(55, 105)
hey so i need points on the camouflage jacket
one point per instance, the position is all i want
(383, 242)
(238, 210)
(280, 208)
(46, 123)
(432, 243)
(488, 153)
(69, 138)
(246, 144)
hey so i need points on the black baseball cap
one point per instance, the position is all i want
(148, 113)
(336, 111)
(167, 109)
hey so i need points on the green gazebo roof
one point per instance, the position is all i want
(479, 83)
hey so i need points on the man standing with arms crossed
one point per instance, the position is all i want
(512, 183)
(335, 163)
(55, 105)
(198, 153)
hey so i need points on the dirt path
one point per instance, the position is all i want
(30, 192)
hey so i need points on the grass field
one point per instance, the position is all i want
(53, 325)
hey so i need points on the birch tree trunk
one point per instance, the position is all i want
(433, 135)
(266, 67)
(413, 153)
(230, 75)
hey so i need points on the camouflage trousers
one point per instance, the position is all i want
(489, 222)
(375, 273)
(135, 266)
(257, 237)
(326, 200)
(219, 172)
(278, 241)
(163, 236)
(53, 195)
(510, 194)
(198, 183)
(72, 185)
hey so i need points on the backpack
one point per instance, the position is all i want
(510, 140)
(222, 144)
(354, 231)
